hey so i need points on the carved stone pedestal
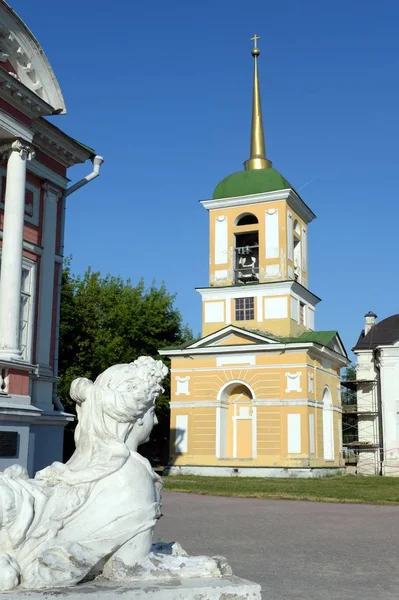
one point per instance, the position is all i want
(222, 588)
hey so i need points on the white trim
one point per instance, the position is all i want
(47, 174)
(258, 366)
(295, 201)
(221, 240)
(272, 248)
(312, 438)
(51, 197)
(32, 267)
(270, 347)
(275, 288)
(235, 360)
(228, 331)
(235, 432)
(15, 128)
(23, 49)
(254, 432)
(236, 382)
(290, 236)
(294, 433)
(181, 422)
(177, 404)
(218, 432)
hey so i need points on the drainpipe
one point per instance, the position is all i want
(379, 414)
(97, 162)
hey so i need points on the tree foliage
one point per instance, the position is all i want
(106, 320)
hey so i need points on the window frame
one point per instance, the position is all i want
(30, 266)
(247, 312)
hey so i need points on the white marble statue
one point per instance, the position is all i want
(94, 515)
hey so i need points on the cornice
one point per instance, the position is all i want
(21, 97)
(283, 287)
(292, 198)
(55, 143)
(259, 349)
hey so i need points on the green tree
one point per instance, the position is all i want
(105, 321)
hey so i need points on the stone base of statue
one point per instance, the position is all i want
(186, 589)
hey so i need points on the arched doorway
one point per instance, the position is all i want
(237, 422)
(328, 425)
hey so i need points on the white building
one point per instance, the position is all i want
(34, 159)
(377, 383)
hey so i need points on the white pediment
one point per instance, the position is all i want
(232, 336)
(22, 57)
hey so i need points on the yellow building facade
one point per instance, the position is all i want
(259, 393)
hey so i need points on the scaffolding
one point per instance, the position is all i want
(361, 426)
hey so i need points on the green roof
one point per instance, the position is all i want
(318, 337)
(244, 183)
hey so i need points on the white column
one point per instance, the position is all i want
(11, 259)
(47, 266)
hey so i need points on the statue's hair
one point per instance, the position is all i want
(126, 391)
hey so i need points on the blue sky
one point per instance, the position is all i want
(163, 91)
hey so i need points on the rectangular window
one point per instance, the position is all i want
(26, 309)
(245, 309)
(26, 317)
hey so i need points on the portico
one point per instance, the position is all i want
(35, 156)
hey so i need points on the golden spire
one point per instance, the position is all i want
(257, 158)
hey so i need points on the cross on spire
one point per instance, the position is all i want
(255, 40)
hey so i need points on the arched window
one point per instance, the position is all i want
(246, 219)
(246, 259)
(236, 418)
(297, 251)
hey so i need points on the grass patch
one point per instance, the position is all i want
(341, 488)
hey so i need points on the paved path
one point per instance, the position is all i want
(305, 550)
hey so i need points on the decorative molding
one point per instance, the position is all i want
(30, 67)
(238, 359)
(57, 144)
(310, 383)
(293, 382)
(221, 241)
(275, 288)
(221, 275)
(276, 308)
(182, 386)
(37, 168)
(25, 151)
(214, 312)
(294, 201)
(15, 128)
(294, 433)
(18, 95)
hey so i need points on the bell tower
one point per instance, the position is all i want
(258, 263)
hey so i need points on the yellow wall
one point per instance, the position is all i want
(259, 211)
(279, 327)
(263, 375)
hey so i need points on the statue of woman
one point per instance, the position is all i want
(71, 520)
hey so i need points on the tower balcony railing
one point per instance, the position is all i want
(246, 275)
